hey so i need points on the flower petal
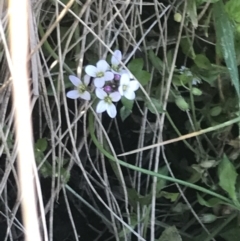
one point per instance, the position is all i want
(73, 94)
(111, 110)
(85, 95)
(123, 71)
(75, 80)
(129, 94)
(102, 65)
(134, 85)
(86, 79)
(115, 96)
(100, 93)
(91, 70)
(108, 75)
(116, 57)
(120, 89)
(99, 82)
(101, 106)
(124, 79)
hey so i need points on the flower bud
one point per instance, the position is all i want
(177, 17)
(107, 88)
(117, 77)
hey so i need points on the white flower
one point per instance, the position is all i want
(196, 81)
(105, 104)
(100, 73)
(81, 88)
(116, 59)
(187, 72)
(128, 87)
(115, 63)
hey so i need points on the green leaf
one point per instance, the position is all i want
(124, 113)
(170, 54)
(196, 91)
(127, 103)
(170, 195)
(227, 177)
(135, 65)
(181, 103)
(41, 145)
(157, 105)
(192, 12)
(162, 183)
(202, 62)
(225, 38)
(143, 77)
(204, 1)
(170, 234)
(187, 48)
(232, 8)
(215, 111)
(212, 202)
(156, 62)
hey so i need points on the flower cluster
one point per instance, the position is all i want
(187, 72)
(111, 82)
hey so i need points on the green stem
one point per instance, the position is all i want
(135, 168)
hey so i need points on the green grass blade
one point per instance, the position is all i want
(225, 38)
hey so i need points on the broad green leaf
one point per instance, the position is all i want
(127, 103)
(227, 177)
(225, 38)
(41, 145)
(212, 202)
(232, 8)
(202, 62)
(124, 113)
(135, 65)
(143, 77)
(157, 105)
(156, 61)
(170, 234)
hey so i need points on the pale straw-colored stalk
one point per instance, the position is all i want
(19, 43)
